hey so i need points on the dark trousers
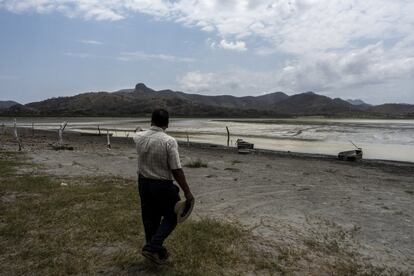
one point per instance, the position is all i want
(158, 198)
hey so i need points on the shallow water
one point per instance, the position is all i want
(380, 139)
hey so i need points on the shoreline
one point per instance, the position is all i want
(373, 117)
(386, 140)
(300, 155)
(257, 151)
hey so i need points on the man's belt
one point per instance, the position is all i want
(141, 177)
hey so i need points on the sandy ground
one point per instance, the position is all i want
(365, 208)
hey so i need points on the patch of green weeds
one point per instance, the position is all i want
(198, 163)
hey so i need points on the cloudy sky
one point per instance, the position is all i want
(339, 48)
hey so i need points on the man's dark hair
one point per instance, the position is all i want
(160, 118)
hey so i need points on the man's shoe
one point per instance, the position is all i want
(163, 254)
(154, 257)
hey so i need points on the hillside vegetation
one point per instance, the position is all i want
(142, 100)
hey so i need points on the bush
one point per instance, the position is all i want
(196, 164)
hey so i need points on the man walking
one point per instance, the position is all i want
(158, 164)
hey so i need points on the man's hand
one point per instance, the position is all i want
(180, 178)
(189, 196)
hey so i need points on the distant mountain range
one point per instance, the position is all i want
(7, 104)
(142, 100)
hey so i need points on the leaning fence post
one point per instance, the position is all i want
(16, 135)
(108, 141)
(61, 129)
(228, 136)
(188, 140)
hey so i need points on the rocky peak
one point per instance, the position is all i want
(141, 87)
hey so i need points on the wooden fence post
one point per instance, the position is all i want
(108, 141)
(33, 130)
(16, 135)
(99, 130)
(61, 129)
(188, 140)
(228, 136)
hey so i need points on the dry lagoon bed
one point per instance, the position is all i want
(315, 210)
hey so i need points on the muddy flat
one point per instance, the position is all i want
(310, 205)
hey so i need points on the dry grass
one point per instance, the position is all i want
(93, 225)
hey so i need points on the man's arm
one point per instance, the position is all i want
(179, 176)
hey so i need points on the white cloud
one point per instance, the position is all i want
(90, 41)
(265, 51)
(196, 81)
(358, 67)
(329, 44)
(323, 72)
(88, 9)
(235, 81)
(239, 46)
(133, 56)
(296, 26)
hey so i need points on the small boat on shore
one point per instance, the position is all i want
(244, 147)
(350, 155)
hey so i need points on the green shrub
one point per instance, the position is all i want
(196, 164)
